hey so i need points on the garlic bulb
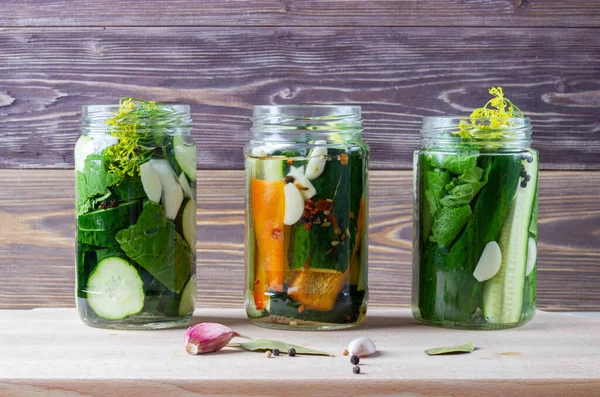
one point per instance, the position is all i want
(207, 338)
(362, 347)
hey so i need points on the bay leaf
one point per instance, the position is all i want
(466, 348)
(264, 345)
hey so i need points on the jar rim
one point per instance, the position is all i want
(115, 107)
(307, 111)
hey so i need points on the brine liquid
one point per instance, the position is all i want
(311, 274)
(463, 202)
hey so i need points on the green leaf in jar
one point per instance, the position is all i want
(264, 345)
(466, 348)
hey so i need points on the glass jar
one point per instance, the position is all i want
(306, 217)
(135, 166)
(475, 226)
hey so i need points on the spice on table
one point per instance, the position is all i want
(268, 354)
(356, 369)
(292, 352)
(276, 352)
(354, 359)
(345, 352)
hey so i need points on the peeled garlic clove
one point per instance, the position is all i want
(362, 347)
(306, 188)
(318, 160)
(207, 338)
(489, 262)
(294, 204)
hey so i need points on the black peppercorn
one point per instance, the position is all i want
(354, 359)
(524, 156)
(523, 173)
(530, 159)
(292, 352)
(527, 178)
(356, 369)
(276, 352)
(158, 151)
(524, 184)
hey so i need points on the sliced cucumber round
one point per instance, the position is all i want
(185, 155)
(115, 289)
(188, 298)
(188, 223)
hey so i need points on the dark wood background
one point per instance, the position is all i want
(399, 59)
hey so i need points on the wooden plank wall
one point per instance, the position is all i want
(399, 59)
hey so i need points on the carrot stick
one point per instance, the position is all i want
(267, 203)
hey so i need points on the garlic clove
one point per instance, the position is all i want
(362, 347)
(306, 187)
(207, 338)
(317, 162)
(294, 204)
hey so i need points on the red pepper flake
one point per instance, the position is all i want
(301, 309)
(114, 203)
(323, 205)
(344, 159)
(276, 233)
(351, 215)
(310, 202)
(256, 282)
(348, 318)
(290, 161)
(104, 205)
(307, 225)
(290, 179)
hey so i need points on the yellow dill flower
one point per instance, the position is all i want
(490, 120)
(124, 157)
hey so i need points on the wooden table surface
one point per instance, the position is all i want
(51, 351)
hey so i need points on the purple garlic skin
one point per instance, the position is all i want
(207, 338)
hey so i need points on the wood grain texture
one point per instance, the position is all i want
(556, 354)
(397, 74)
(37, 239)
(308, 13)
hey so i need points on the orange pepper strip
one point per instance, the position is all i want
(267, 203)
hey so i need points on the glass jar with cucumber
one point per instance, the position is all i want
(475, 219)
(135, 172)
(306, 217)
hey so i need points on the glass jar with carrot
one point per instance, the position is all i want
(306, 217)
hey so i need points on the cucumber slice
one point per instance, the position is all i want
(151, 182)
(185, 185)
(188, 298)
(185, 155)
(83, 148)
(98, 238)
(124, 215)
(188, 223)
(531, 256)
(503, 294)
(114, 290)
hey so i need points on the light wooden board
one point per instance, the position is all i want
(309, 13)
(37, 239)
(397, 74)
(51, 351)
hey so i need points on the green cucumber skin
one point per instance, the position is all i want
(447, 290)
(120, 217)
(100, 238)
(503, 298)
(129, 189)
(345, 185)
